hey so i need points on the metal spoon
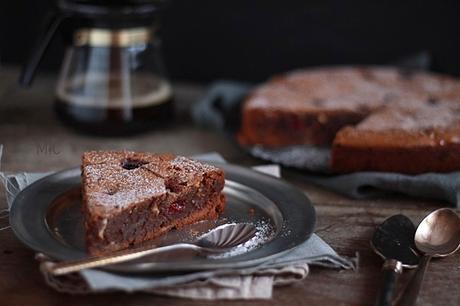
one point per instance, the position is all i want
(218, 240)
(393, 241)
(438, 235)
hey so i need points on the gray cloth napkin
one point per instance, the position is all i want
(218, 107)
(249, 283)
(438, 186)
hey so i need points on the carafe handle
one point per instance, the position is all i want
(49, 29)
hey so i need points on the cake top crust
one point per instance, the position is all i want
(359, 89)
(417, 116)
(114, 180)
(109, 186)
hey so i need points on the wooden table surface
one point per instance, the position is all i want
(34, 140)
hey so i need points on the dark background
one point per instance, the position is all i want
(251, 40)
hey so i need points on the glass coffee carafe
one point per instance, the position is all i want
(112, 80)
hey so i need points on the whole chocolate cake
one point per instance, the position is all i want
(375, 119)
(131, 197)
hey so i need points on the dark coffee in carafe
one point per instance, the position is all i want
(112, 81)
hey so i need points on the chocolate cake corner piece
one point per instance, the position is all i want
(131, 197)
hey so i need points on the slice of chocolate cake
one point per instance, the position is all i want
(131, 197)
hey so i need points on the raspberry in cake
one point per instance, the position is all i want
(131, 197)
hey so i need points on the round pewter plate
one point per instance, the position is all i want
(46, 217)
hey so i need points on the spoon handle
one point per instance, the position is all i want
(66, 267)
(391, 269)
(409, 294)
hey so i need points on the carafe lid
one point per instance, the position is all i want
(100, 10)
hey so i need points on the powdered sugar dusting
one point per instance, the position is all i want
(408, 116)
(265, 232)
(353, 89)
(109, 186)
(118, 179)
(190, 165)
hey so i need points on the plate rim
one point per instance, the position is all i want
(238, 171)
